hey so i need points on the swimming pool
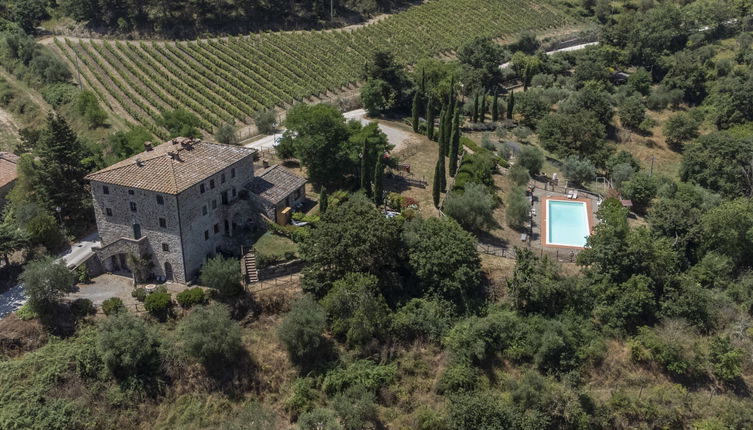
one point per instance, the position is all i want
(567, 223)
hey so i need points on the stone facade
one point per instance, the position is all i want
(179, 231)
(183, 202)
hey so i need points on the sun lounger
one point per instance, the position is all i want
(575, 194)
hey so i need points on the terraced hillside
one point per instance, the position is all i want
(229, 79)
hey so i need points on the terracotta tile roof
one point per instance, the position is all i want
(276, 183)
(8, 171)
(172, 167)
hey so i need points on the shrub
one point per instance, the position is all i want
(519, 175)
(59, 94)
(46, 281)
(139, 294)
(579, 171)
(209, 335)
(472, 208)
(517, 212)
(223, 275)
(303, 396)
(422, 319)
(357, 408)
(128, 346)
(357, 309)
(112, 306)
(319, 419)
(266, 121)
(191, 297)
(680, 128)
(26, 313)
(458, 377)
(158, 304)
(669, 346)
(82, 308)
(476, 338)
(532, 159)
(227, 134)
(82, 274)
(301, 330)
(640, 189)
(726, 360)
(365, 373)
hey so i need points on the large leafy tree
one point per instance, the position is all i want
(481, 59)
(444, 259)
(618, 252)
(46, 281)
(128, 346)
(319, 137)
(357, 308)
(222, 274)
(352, 237)
(301, 330)
(209, 335)
(572, 134)
(388, 77)
(718, 161)
(728, 230)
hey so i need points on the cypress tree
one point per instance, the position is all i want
(414, 112)
(510, 105)
(474, 117)
(495, 108)
(323, 200)
(440, 132)
(455, 143)
(441, 168)
(378, 186)
(448, 129)
(435, 186)
(430, 119)
(365, 163)
(482, 112)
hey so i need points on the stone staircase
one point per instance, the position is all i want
(248, 267)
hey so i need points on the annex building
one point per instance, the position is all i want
(183, 202)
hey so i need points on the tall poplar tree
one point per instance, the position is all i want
(474, 116)
(323, 200)
(365, 164)
(510, 104)
(482, 111)
(440, 132)
(378, 186)
(430, 119)
(495, 108)
(455, 143)
(414, 112)
(436, 186)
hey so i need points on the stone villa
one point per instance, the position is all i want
(183, 202)
(8, 174)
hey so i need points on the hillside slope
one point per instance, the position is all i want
(224, 80)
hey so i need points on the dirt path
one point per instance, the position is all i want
(8, 131)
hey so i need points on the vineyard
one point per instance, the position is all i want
(223, 80)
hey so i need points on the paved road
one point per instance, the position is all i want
(395, 135)
(15, 297)
(569, 48)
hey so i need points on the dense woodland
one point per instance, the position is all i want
(400, 322)
(189, 18)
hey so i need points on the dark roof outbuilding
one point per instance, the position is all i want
(275, 184)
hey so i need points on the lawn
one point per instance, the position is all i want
(273, 245)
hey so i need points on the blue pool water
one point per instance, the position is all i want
(567, 223)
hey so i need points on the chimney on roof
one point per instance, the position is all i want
(139, 162)
(172, 155)
(186, 144)
(147, 146)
